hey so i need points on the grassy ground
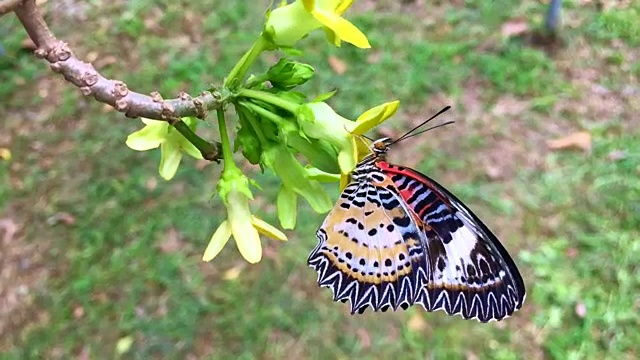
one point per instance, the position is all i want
(97, 250)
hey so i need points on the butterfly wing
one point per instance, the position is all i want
(471, 273)
(371, 250)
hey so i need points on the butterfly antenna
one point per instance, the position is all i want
(408, 133)
(431, 128)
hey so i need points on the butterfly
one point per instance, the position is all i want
(397, 238)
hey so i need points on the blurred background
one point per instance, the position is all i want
(100, 257)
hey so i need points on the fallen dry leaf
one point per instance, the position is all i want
(572, 252)
(365, 338)
(579, 140)
(374, 57)
(515, 27)
(417, 323)
(172, 242)
(124, 344)
(581, 310)
(61, 218)
(509, 105)
(233, 273)
(92, 56)
(493, 171)
(617, 155)
(471, 356)
(9, 228)
(151, 183)
(85, 354)
(78, 312)
(105, 61)
(5, 154)
(338, 66)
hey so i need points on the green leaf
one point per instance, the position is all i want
(247, 139)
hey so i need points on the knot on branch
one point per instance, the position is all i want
(56, 67)
(120, 89)
(169, 112)
(122, 105)
(40, 53)
(156, 97)
(201, 112)
(90, 78)
(85, 90)
(60, 52)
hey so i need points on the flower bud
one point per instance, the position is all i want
(287, 74)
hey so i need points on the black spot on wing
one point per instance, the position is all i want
(403, 221)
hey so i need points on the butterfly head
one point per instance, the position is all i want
(380, 147)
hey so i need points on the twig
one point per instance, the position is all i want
(115, 92)
(7, 6)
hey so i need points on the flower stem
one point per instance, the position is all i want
(276, 119)
(271, 99)
(209, 151)
(227, 154)
(240, 68)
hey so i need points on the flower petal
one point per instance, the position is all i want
(347, 158)
(153, 122)
(245, 235)
(279, 159)
(267, 229)
(248, 242)
(344, 181)
(287, 207)
(382, 111)
(309, 5)
(343, 6)
(149, 137)
(342, 28)
(190, 149)
(374, 117)
(288, 24)
(321, 176)
(170, 158)
(217, 242)
(362, 146)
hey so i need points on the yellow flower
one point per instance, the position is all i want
(171, 142)
(318, 120)
(244, 227)
(290, 23)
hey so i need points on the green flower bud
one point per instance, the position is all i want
(287, 74)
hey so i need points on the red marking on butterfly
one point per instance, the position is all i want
(397, 238)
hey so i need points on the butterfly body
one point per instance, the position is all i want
(397, 238)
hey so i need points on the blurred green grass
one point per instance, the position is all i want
(128, 264)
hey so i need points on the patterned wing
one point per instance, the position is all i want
(470, 272)
(370, 250)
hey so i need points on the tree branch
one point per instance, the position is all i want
(7, 6)
(114, 92)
